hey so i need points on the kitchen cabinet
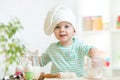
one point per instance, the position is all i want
(106, 39)
(115, 49)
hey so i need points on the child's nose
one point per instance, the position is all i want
(62, 29)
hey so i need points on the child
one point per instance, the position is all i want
(66, 55)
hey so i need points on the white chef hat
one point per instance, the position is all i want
(56, 15)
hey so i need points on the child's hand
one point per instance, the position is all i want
(96, 59)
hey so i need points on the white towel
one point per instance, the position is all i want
(56, 15)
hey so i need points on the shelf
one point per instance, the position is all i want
(96, 31)
(115, 31)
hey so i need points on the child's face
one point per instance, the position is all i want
(64, 32)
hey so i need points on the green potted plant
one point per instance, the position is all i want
(10, 45)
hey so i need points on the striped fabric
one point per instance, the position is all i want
(66, 59)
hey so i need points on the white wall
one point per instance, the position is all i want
(32, 13)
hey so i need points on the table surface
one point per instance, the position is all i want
(105, 78)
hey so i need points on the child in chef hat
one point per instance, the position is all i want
(66, 55)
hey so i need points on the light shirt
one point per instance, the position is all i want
(66, 59)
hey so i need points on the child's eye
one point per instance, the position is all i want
(66, 26)
(57, 27)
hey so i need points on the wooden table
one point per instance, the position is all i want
(106, 78)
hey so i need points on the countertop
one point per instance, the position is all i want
(81, 78)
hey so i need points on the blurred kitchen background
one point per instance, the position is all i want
(97, 24)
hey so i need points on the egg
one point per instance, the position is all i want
(28, 68)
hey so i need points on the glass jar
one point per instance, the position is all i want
(92, 73)
(33, 58)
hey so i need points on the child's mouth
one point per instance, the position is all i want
(62, 35)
